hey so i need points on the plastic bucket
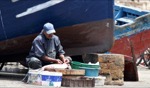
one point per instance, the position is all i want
(51, 78)
(77, 65)
(91, 72)
(34, 77)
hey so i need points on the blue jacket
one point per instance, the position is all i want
(43, 46)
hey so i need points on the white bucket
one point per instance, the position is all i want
(99, 81)
(34, 77)
(51, 78)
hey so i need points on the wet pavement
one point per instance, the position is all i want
(13, 80)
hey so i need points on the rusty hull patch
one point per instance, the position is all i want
(87, 38)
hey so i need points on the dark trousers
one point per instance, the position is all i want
(35, 63)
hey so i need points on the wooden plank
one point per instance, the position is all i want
(77, 81)
(71, 71)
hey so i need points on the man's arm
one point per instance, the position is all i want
(60, 51)
(48, 59)
(62, 57)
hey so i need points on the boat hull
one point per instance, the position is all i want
(82, 28)
(141, 42)
(131, 38)
(138, 33)
(76, 40)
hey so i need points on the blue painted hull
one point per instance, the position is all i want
(65, 13)
(87, 21)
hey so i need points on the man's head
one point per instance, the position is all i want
(49, 30)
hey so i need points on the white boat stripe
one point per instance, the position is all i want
(39, 7)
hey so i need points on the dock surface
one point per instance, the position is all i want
(13, 80)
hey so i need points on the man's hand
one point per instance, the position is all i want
(59, 61)
(66, 61)
(48, 59)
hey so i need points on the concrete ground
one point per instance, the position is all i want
(12, 80)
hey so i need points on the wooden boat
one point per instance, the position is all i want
(84, 26)
(131, 26)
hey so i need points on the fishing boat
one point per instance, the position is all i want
(131, 32)
(131, 24)
(84, 26)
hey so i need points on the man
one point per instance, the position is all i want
(46, 49)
